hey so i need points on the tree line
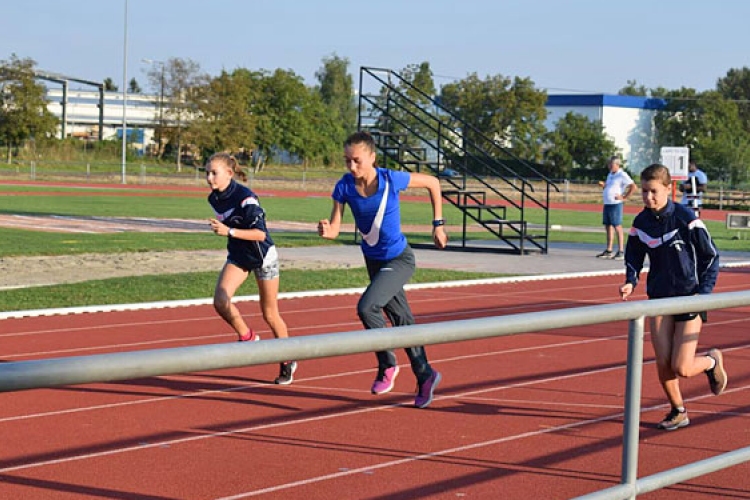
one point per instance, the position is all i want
(259, 113)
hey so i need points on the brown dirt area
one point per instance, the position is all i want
(16, 272)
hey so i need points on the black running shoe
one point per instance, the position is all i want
(286, 373)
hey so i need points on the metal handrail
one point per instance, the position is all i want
(98, 368)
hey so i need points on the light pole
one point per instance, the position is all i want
(125, 97)
(160, 128)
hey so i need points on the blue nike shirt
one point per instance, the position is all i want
(381, 209)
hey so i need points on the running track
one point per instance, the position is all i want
(534, 416)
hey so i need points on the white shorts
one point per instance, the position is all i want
(269, 270)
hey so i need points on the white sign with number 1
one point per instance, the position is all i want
(676, 160)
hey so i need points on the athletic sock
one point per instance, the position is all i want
(713, 363)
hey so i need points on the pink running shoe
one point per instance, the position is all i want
(385, 380)
(249, 336)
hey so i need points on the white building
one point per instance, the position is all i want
(628, 120)
(82, 115)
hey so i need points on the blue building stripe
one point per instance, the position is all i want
(601, 100)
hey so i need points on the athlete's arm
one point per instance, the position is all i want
(432, 184)
(222, 229)
(329, 228)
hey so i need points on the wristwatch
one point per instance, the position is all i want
(231, 233)
(438, 222)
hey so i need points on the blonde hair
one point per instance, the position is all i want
(231, 162)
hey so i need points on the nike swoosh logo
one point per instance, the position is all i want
(373, 236)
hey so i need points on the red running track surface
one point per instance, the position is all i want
(537, 415)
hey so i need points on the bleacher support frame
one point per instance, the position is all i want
(491, 187)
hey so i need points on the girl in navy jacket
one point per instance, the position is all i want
(240, 218)
(683, 261)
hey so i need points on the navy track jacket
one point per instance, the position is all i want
(238, 207)
(683, 259)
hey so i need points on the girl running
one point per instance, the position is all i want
(683, 261)
(242, 221)
(373, 195)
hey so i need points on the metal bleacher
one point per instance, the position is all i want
(492, 188)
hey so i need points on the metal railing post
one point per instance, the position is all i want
(633, 383)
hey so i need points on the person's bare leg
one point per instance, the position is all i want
(229, 281)
(662, 328)
(620, 239)
(269, 305)
(684, 361)
(610, 237)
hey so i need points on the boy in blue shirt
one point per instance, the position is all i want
(694, 187)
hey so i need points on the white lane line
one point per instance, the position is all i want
(303, 383)
(290, 295)
(172, 442)
(346, 414)
(440, 453)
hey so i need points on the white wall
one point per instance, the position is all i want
(627, 120)
(633, 132)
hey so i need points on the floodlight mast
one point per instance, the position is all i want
(125, 96)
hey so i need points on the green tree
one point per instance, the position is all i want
(23, 107)
(110, 85)
(224, 119)
(578, 148)
(736, 86)
(711, 127)
(182, 81)
(632, 88)
(510, 112)
(324, 129)
(418, 91)
(133, 87)
(293, 118)
(336, 88)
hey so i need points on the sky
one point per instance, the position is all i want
(563, 46)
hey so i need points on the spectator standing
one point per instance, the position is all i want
(694, 187)
(615, 190)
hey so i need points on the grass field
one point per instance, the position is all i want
(187, 286)
(114, 202)
(121, 202)
(191, 204)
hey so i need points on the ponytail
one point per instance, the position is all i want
(231, 162)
